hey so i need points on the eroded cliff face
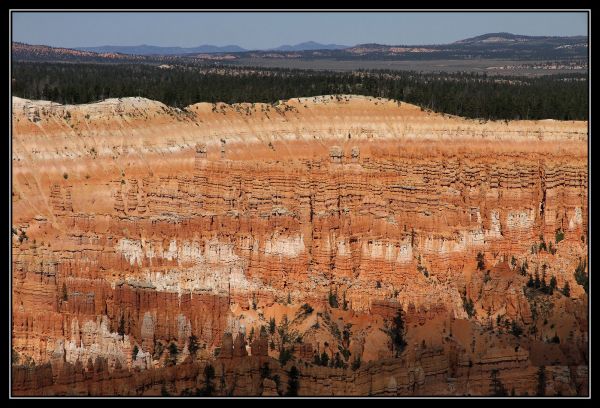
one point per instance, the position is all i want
(136, 225)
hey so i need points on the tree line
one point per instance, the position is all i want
(479, 96)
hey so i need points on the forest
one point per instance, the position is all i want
(471, 95)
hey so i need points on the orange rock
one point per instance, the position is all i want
(145, 225)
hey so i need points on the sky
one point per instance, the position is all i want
(261, 30)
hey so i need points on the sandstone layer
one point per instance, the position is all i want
(136, 226)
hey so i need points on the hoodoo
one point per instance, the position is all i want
(236, 251)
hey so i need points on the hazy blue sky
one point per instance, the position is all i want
(259, 30)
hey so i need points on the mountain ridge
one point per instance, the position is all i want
(486, 46)
(148, 49)
(492, 37)
(309, 46)
(145, 49)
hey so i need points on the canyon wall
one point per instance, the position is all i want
(137, 226)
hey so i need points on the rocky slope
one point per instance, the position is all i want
(136, 226)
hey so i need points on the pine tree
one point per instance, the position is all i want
(265, 371)
(65, 295)
(515, 329)
(560, 235)
(397, 332)
(346, 335)
(496, 387)
(543, 285)
(293, 383)
(173, 351)
(542, 246)
(163, 391)
(580, 276)
(552, 284)
(333, 302)
(324, 359)
(566, 289)
(541, 386)
(356, 363)
(524, 267)
(285, 355)
(472, 96)
(208, 388)
(193, 345)
(121, 328)
(480, 261)
(272, 325)
(468, 306)
(337, 361)
(530, 283)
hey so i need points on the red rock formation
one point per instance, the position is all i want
(145, 224)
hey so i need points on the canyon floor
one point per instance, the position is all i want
(265, 249)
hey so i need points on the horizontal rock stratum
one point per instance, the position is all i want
(137, 225)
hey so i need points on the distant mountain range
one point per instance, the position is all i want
(156, 50)
(201, 49)
(488, 46)
(309, 46)
(508, 38)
